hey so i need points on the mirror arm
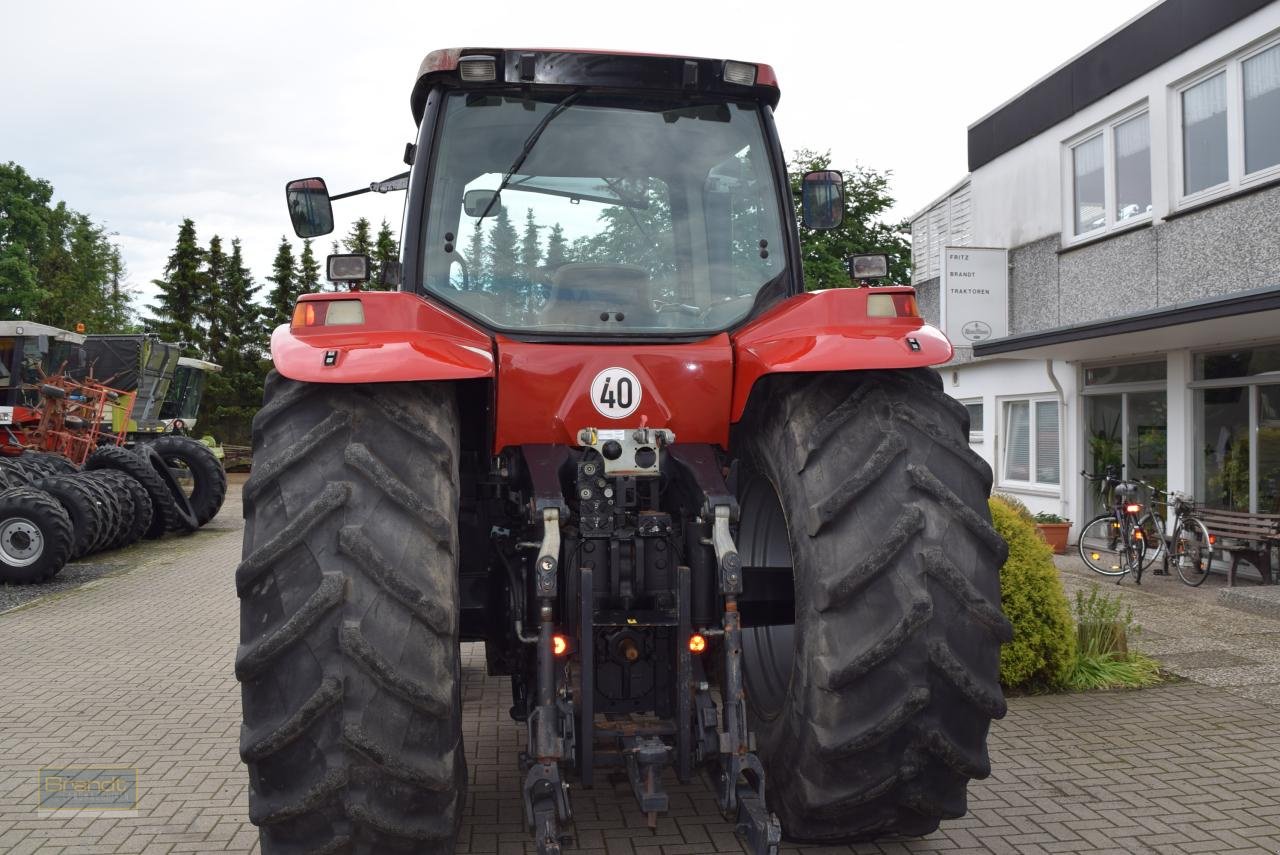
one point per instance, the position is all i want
(395, 182)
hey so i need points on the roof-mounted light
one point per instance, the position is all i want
(478, 68)
(742, 73)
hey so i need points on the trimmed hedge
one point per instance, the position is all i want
(1043, 650)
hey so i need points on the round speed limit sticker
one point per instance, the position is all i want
(615, 393)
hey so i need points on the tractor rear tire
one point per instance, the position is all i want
(164, 507)
(210, 481)
(35, 536)
(872, 711)
(109, 505)
(78, 500)
(349, 659)
(54, 464)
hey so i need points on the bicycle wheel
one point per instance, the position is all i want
(1192, 551)
(1151, 527)
(1102, 546)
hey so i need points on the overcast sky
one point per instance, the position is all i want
(141, 114)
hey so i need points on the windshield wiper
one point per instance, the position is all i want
(529, 143)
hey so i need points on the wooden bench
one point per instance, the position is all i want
(1243, 535)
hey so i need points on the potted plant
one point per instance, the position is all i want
(1053, 529)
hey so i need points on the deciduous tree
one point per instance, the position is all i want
(863, 230)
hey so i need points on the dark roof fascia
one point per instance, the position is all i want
(1239, 303)
(1143, 45)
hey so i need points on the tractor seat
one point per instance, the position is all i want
(581, 290)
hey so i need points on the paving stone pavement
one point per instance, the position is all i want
(136, 669)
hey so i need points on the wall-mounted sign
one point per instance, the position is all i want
(975, 293)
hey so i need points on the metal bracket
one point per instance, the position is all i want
(646, 756)
(628, 451)
(548, 554)
(727, 560)
(546, 806)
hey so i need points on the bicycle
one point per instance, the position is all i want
(1113, 544)
(1189, 547)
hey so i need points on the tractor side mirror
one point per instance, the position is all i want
(822, 199)
(309, 207)
(476, 202)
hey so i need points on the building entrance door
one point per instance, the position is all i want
(1126, 430)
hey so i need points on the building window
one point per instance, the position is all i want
(1237, 400)
(1133, 168)
(1111, 175)
(1230, 123)
(1262, 110)
(1031, 443)
(1204, 134)
(1090, 185)
(975, 420)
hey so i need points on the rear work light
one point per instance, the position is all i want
(478, 68)
(742, 73)
(328, 313)
(892, 306)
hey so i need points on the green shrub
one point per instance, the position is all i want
(1043, 650)
(1016, 505)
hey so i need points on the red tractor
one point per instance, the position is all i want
(705, 521)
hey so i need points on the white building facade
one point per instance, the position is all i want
(1136, 190)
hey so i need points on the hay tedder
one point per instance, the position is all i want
(709, 524)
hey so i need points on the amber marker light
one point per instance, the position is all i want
(697, 643)
(559, 644)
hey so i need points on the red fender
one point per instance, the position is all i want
(832, 331)
(403, 338)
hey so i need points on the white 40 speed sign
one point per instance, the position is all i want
(615, 393)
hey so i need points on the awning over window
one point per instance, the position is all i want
(1235, 317)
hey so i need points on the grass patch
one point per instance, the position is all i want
(1104, 625)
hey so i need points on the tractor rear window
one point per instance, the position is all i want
(627, 216)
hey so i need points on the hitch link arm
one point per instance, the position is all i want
(741, 772)
(546, 796)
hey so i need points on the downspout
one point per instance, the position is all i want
(1062, 439)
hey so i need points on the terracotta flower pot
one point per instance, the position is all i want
(1055, 534)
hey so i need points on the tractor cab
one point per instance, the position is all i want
(29, 351)
(181, 404)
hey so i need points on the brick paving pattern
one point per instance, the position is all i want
(136, 669)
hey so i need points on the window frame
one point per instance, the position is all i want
(1003, 451)
(1107, 130)
(976, 437)
(1232, 67)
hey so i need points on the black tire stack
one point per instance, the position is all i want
(52, 512)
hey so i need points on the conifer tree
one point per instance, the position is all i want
(385, 249)
(530, 248)
(308, 269)
(359, 240)
(245, 332)
(177, 309)
(476, 275)
(557, 247)
(214, 306)
(284, 294)
(501, 252)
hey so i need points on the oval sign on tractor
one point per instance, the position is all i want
(615, 393)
